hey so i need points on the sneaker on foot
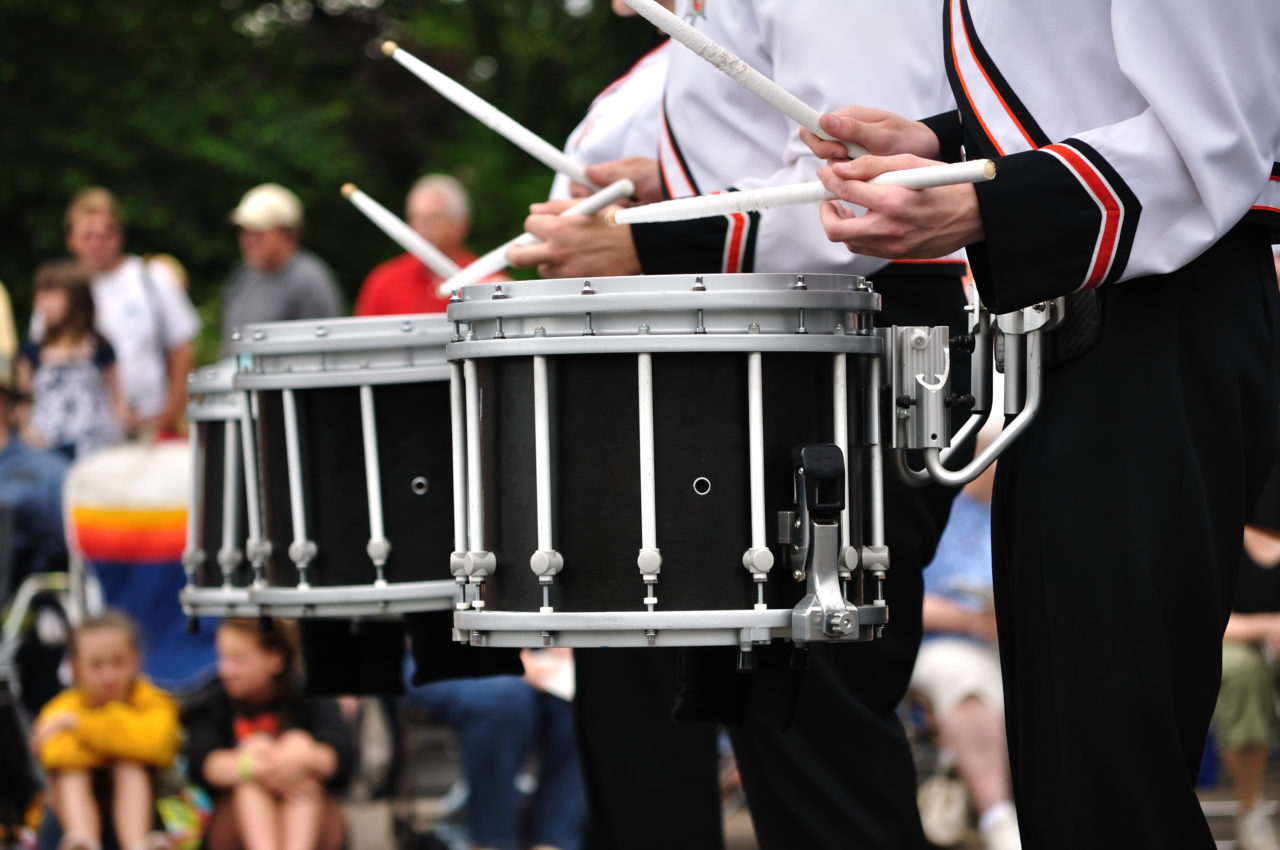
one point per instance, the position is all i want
(1254, 830)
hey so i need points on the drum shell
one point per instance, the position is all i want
(413, 450)
(212, 442)
(700, 403)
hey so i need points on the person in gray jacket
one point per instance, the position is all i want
(278, 279)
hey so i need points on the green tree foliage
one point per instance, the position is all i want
(180, 107)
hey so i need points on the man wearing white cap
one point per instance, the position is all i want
(278, 279)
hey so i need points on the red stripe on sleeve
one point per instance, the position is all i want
(1111, 212)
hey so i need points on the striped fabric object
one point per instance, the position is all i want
(126, 510)
(129, 503)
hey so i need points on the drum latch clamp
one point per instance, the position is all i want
(823, 614)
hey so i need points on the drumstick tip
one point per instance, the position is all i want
(348, 189)
(989, 170)
(611, 215)
(389, 48)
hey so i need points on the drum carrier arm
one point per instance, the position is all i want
(918, 366)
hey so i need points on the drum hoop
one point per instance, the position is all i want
(223, 412)
(372, 333)
(673, 301)
(342, 601)
(680, 282)
(397, 591)
(641, 628)
(417, 342)
(666, 344)
(217, 602)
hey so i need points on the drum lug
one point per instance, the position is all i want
(479, 564)
(302, 552)
(229, 558)
(458, 564)
(378, 550)
(258, 551)
(546, 562)
(192, 559)
(649, 561)
(757, 561)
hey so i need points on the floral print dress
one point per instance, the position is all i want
(70, 404)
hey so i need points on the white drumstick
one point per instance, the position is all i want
(751, 79)
(402, 234)
(489, 115)
(707, 206)
(496, 260)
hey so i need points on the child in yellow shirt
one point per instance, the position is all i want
(112, 728)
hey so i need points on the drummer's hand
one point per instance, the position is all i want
(574, 245)
(880, 132)
(894, 222)
(641, 171)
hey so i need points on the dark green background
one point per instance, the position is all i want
(180, 106)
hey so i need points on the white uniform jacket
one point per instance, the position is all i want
(623, 119)
(1133, 134)
(717, 136)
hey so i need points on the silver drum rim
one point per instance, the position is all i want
(212, 393)
(666, 313)
(341, 352)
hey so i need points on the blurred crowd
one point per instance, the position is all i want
(248, 757)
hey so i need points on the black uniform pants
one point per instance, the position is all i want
(842, 774)
(651, 782)
(1117, 533)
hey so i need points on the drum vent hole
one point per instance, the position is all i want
(933, 436)
(701, 486)
(419, 485)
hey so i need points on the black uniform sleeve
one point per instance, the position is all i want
(946, 126)
(1042, 223)
(681, 247)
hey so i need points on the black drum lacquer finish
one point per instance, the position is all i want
(702, 475)
(213, 447)
(417, 483)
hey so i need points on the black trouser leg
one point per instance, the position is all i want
(651, 782)
(1117, 534)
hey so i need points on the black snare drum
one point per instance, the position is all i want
(354, 451)
(632, 466)
(223, 521)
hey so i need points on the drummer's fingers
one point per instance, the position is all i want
(541, 226)
(550, 207)
(838, 179)
(839, 222)
(823, 148)
(524, 256)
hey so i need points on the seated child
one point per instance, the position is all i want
(101, 739)
(273, 760)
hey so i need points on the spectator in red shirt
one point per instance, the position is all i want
(438, 209)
